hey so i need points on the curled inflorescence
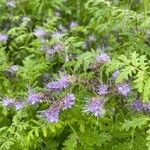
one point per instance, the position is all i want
(95, 106)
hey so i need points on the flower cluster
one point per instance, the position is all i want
(95, 106)
(115, 74)
(123, 89)
(3, 38)
(73, 24)
(68, 101)
(138, 106)
(102, 89)
(52, 113)
(40, 33)
(55, 48)
(34, 98)
(11, 4)
(102, 58)
(59, 85)
(11, 102)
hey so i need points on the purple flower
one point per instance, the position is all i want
(146, 106)
(68, 101)
(102, 89)
(34, 97)
(115, 74)
(52, 114)
(58, 85)
(18, 105)
(73, 24)
(11, 4)
(95, 106)
(7, 102)
(13, 69)
(56, 48)
(123, 89)
(40, 32)
(102, 58)
(137, 105)
(3, 38)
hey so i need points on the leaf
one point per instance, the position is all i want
(139, 122)
(70, 143)
(146, 90)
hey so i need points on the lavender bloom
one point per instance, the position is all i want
(95, 106)
(146, 106)
(102, 58)
(102, 89)
(7, 102)
(52, 114)
(19, 105)
(3, 38)
(115, 74)
(34, 97)
(13, 68)
(123, 89)
(68, 101)
(73, 24)
(11, 4)
(11, 71)
(56, 48)
(137, 105)
(59, 85)
(40, 32)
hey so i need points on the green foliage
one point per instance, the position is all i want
(136, 68)
(119, 28)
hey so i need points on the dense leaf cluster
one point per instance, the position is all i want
(74, 75)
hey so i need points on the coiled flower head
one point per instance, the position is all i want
(19, 105)
(34, 97)
(73, 24)
(59, 85)
(137, 105)
(124, 89)
(11, 4)
(52, 114)
(40, 33)
(68, 101)
(55, 48)
(7, 102)
(3, 38)
(146, 106)
(102, 89)
(102, 58)
(95, 106)
(115, 74)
